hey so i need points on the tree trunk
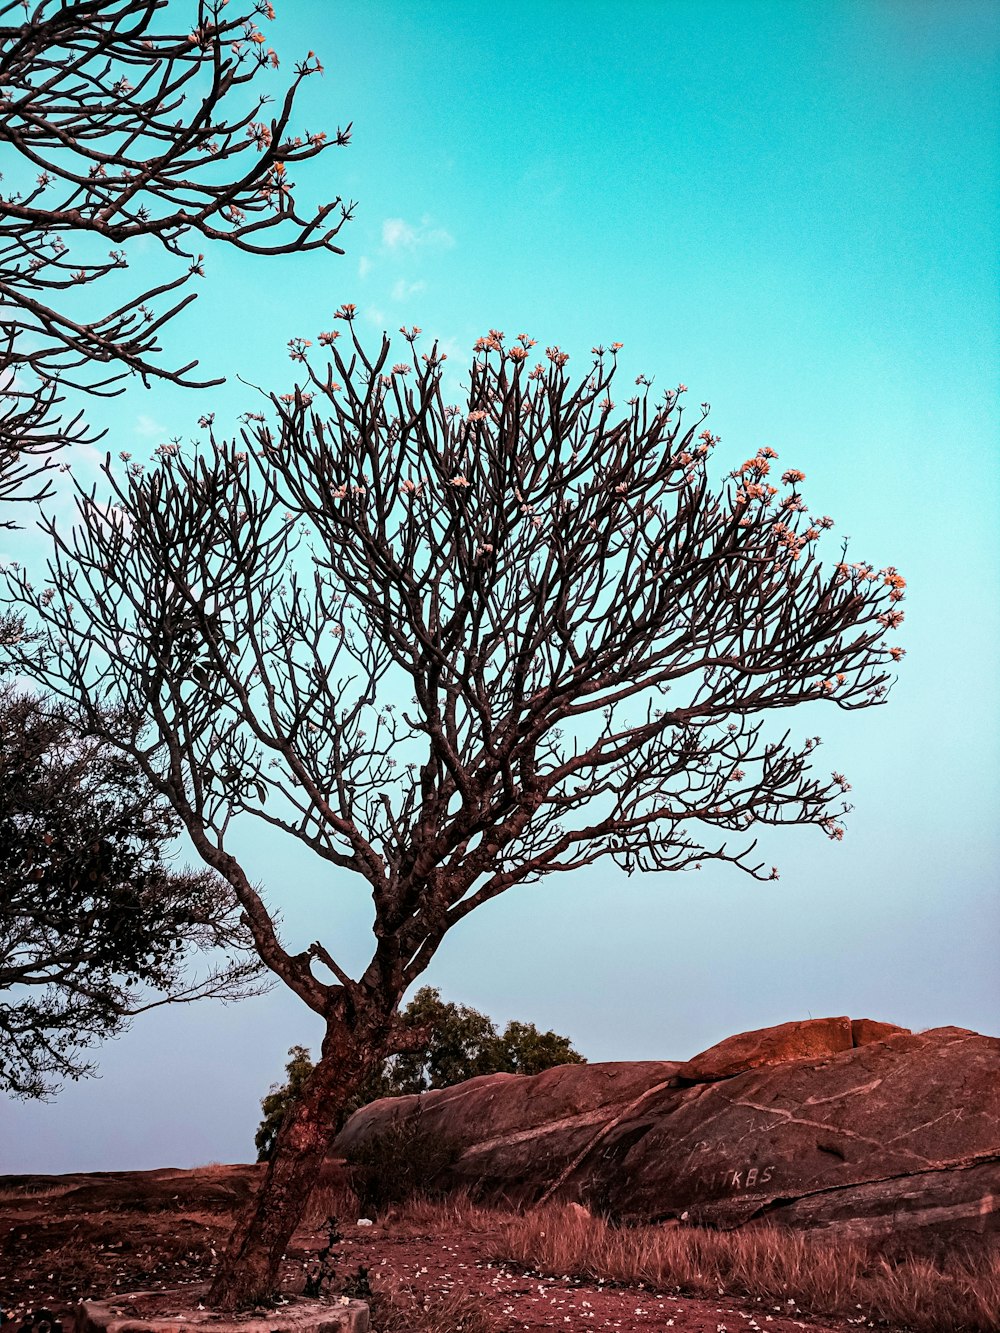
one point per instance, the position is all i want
(248, 1271)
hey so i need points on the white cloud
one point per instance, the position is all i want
(375, 316)
(148, 429)
(364, 266)
(402, 289)
(398, 234)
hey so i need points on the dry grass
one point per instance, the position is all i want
(330, 1199)
(778, 1266)
(425, 1213)
(32, 1190)
(398, 1309)
(418, 1213)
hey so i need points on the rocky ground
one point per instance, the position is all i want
(68, 1238)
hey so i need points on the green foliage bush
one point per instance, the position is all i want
(274, 1105)
(460, 1043)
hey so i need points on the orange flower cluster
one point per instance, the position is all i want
(493, 341)
(759, 466)
(894, 580)
(791, 540)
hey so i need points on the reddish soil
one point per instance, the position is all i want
(454, 1261)
(66, 1238)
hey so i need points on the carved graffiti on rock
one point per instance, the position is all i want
(736, 1178)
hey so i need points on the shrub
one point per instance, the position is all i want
(402, 1160)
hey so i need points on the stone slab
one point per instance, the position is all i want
(177, 1312)
(802, 1039)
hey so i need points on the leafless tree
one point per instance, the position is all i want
(453, 649)
(119, 127)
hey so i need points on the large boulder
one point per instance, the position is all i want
(866, 1128)
(903, 1132)
(515, 1134)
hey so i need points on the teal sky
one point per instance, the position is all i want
(792, 208)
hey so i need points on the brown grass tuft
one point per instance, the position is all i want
(33, 1189)
(398, 1309)
(422, 1212)
(776, 1265)
(330, 1199)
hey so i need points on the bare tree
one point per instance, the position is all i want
(453, 649)
(120, 129)
(95, 926)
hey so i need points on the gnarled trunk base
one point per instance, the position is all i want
(248, 1271)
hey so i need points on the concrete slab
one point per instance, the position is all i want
(177, 1312)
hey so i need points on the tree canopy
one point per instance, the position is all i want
(452, 647)
(126, 137)
(94, 924)
(122, 128)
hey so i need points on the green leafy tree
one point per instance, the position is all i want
(94, 924)
(275, 1104)
(455, 1042)
(522, 1049)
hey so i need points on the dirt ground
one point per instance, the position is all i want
(67, 1238)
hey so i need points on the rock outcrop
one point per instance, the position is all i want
(516, 1134)
(863, 1127)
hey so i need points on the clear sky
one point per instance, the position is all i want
(792, 208)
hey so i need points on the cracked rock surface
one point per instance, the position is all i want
(858, 1126)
